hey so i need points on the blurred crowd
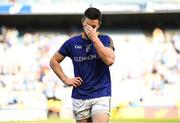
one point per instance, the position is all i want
(148, 68)
(25, 77)
(146, 71)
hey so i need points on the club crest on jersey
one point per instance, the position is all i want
(88, 47)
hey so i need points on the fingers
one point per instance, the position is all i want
(77, 82)
(88, 29)
(79, 78)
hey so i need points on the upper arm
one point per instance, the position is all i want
(110, 47)
(108, 42)
(111, 44)
(57, 57)
(111, 51)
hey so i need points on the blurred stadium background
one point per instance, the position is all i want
(145, 76)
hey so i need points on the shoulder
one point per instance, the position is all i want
(106, 40)
(104, 36)
(75, 37)
(71, 40)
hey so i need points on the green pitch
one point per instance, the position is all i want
(56, 120)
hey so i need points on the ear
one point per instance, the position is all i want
(82, 20)
(98, 26)
(100, 23)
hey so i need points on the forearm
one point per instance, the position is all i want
(56, 67)
(106, 54)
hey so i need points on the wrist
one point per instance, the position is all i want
(64, 79)
(95, 39)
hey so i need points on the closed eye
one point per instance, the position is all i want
(94, 27)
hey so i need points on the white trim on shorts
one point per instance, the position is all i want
(83, 109)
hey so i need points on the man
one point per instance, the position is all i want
(91, 54)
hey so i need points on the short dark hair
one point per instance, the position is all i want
(92, 13)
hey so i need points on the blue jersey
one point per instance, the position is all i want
(89, 66)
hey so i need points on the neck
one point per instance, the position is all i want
(84, 35)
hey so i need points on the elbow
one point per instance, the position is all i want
(54, 61)
(110, 59)
(51, 63)
(110, 62)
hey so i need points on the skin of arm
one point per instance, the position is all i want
(55, 61)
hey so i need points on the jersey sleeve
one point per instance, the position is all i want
(64, 49)
(109, 43)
